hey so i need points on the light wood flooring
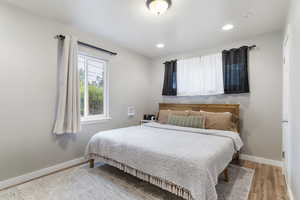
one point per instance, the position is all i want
(268, 182)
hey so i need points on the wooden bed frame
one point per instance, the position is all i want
(232, 108)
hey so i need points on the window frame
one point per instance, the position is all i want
(86, 119)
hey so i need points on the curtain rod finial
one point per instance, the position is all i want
(60, 37)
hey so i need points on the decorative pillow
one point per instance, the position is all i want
(235, 123)
(164, 114)
(176, 120)
(218, 120)
(186, 121)
(195, 122)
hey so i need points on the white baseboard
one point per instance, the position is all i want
(290, 193)
(261, 160)
(39, 173)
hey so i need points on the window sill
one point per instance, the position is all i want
(95, 120)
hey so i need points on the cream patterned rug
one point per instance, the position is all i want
(108, 183)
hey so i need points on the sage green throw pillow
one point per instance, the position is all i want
(186, 121)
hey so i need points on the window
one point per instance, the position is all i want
(200, 76)
(93, 88)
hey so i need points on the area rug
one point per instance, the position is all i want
(108, 183)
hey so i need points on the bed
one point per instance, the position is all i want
(182, 160)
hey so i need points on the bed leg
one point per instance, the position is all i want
(92, 163)
(238, 158)
(226, 175)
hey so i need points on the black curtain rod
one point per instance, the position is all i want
(62, 37)
(250, 48)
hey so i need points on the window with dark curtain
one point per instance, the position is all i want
(235, 70)
(170, 79)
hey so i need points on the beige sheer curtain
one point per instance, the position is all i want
(68, 105)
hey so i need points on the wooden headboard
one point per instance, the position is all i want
(233, 108)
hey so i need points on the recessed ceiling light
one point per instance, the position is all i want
(227, 27)
(248, 14)
(158, 7)
(160, 45)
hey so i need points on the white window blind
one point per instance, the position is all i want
(200, 76)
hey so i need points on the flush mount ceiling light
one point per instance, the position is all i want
(158, 7)
(227, 27)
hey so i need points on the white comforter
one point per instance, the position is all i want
(188, 157)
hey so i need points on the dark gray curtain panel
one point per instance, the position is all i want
(170, 79)
(235, 70)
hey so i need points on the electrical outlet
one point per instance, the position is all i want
(131, 111)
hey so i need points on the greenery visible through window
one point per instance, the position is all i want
(92, 73)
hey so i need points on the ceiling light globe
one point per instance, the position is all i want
(158, 7)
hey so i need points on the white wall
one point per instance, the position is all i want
(293, 22)
(28, 80)
(261, 109)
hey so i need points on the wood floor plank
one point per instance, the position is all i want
(268, 182)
